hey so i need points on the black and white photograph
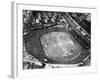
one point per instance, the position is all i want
(55, 39)
(50, 40)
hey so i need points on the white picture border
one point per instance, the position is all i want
(17, 23)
